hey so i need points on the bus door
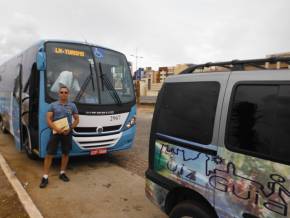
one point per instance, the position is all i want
(16, 109)
(252, 175)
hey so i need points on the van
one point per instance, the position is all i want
(220, 141)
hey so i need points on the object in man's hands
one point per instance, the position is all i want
(61, 124)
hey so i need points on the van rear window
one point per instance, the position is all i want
(259, 121)
(187, 110)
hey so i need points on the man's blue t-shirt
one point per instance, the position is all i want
(63, 110)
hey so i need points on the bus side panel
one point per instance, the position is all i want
(5, 102)
(29, 58)
(4, 106)
(9, 73)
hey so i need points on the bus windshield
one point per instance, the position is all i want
(115, 76)
(93, 75)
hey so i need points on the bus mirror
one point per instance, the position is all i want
(40, 61)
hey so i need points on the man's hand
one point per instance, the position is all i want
(66, 132)
(58, 130)
(76, 121)
(49, 120)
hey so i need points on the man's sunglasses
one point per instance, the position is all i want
(63, 92)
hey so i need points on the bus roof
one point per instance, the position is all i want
(43, 41)
(40, 43)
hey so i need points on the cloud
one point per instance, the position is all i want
(21, 33)
(166, 32)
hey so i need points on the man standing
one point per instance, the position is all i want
(57, 110)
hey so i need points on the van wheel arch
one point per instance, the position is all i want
(179, 195)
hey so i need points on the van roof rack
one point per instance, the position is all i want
(239, 65)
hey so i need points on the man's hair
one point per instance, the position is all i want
(61, 86)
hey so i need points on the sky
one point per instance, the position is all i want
(162, 32)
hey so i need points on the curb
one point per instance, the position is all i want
(23, 196)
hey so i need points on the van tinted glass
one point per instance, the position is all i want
(187, 110)
(259, 121)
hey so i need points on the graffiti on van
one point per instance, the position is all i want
(263, 193)
(219, 179)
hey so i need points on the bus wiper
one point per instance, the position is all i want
(93, 83)
(110, 86)
(85, 85)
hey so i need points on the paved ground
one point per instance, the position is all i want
(99, 186)
(135, 160)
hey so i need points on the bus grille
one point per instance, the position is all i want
(94, 129)
(91, 142)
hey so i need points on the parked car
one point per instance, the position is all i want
(220, 141)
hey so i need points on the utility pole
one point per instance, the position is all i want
(136, 56)
(137, 82)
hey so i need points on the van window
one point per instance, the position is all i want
(259, 121)
(187, 110)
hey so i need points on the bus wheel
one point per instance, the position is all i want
(28, 151)
(2, 126)
(190, 209)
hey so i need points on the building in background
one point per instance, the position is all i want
(148, 81)
(279, 65)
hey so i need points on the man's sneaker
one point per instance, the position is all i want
(63, 177)
(43, 183)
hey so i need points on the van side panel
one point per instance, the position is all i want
(248, 185)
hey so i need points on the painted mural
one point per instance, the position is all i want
(240, 184)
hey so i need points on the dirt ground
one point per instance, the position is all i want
(10, 206)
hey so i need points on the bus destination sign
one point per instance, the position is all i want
(70, 52)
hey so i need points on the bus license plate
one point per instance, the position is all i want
(99, 151)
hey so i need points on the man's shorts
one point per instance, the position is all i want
(64, 140)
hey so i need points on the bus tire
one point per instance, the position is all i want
(190, 209)
(2, 126)
(28, 151)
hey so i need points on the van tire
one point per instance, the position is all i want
(28, 151)
(2, 127)
(190, 209)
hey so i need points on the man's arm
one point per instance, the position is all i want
(74, 124)
(76, 116)
(49, 119)
(76, 121)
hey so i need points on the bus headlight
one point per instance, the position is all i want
(131, 122)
